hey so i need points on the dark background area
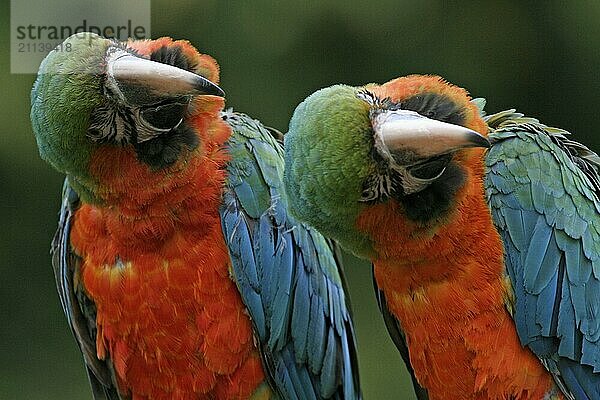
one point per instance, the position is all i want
(539, 57)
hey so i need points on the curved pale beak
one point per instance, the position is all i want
(408, 131)
(159, 78)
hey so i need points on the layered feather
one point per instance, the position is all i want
(287, 275)
(543, 193)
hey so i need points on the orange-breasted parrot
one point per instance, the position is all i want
(486, 261)
(179, 269)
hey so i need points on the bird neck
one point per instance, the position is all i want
(423, 254)
(466, 251)
(446, 286)
(142, 205)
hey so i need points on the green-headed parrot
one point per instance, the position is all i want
(179, 268)
(486, 261)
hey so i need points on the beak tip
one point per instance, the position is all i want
(220, 93)
(479, 140)
(206, 87)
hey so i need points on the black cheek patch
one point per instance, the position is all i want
(435, 200)
(435, 106)
(173, 55)
(165, 149)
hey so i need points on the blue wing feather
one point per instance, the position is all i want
(237, 234)
(543, 191)
(301, 315)
(546, 301)
(328, 372)
(316, 333)
(287, 275)
(281, 310)
(535, 275)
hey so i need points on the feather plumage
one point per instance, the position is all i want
(286, 273)
(543, 193)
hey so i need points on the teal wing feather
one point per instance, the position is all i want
(543, 190)
(78, 308)
(287, 274)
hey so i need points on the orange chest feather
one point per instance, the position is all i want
(447, 289)
(462, 342)
(171, 320)
(156, 266)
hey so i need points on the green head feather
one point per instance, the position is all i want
(330, 131)
(68, 87)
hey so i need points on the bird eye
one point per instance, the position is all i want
(432, 168)
(164, 116)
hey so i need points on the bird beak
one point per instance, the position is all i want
(403, 131)
(127, 70)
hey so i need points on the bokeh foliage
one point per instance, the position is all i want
(540, 57)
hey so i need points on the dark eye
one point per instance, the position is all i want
(432, 168)
(164, 116)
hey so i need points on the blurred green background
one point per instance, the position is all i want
(540, 57)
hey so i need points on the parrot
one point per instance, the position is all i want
(483, 232)
(181, 273)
